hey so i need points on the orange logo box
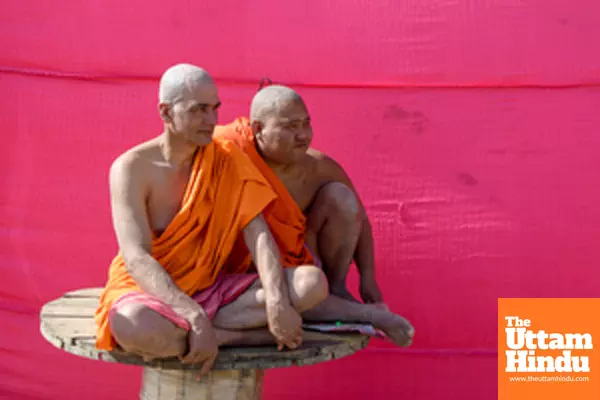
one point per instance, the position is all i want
(549, 349)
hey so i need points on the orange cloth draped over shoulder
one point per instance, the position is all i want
(224, 193)
(284, 218)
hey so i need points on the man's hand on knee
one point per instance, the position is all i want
(203, 347)
(285, 324)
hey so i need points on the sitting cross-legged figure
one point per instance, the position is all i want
(316, 210)
(181, 202)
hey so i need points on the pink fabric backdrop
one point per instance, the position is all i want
(469, 126)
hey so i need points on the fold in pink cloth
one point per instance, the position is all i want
(225, 290)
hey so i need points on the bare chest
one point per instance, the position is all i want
(165, 197)
(302, 186)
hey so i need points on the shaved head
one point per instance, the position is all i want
(182, 79)
(280, 124)
(188, 103)
(271, 100)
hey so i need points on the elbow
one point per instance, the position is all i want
(134, 261)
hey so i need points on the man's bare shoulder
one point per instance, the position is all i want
(315, 154)
(134, 162)
(324, 166)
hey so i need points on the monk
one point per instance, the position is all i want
(317, 209)
(339, 230)
(180, 203)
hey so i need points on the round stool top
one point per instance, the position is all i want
(68, 323)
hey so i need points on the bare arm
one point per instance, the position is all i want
(364, 256)
(266, 256)
(129, 190)
(284, 321)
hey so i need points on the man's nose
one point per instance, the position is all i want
(303, 133)
(212, 117)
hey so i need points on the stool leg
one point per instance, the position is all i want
(160, 384)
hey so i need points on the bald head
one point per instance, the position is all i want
(280, 124)
(188, 103)
(180, 80)
(271, 100)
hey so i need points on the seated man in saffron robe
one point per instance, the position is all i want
(180, 202)
(317, 208)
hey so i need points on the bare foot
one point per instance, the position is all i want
(397, 328)
(227, 337)
(382, 306)
(339, 290)
(369, 290)
(248, 337)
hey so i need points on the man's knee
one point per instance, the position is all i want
(309, 287)
(138, 328)
(341, 202)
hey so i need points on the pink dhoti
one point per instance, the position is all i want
(225, 290)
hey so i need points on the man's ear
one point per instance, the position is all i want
(164, 110)
(257, 127)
